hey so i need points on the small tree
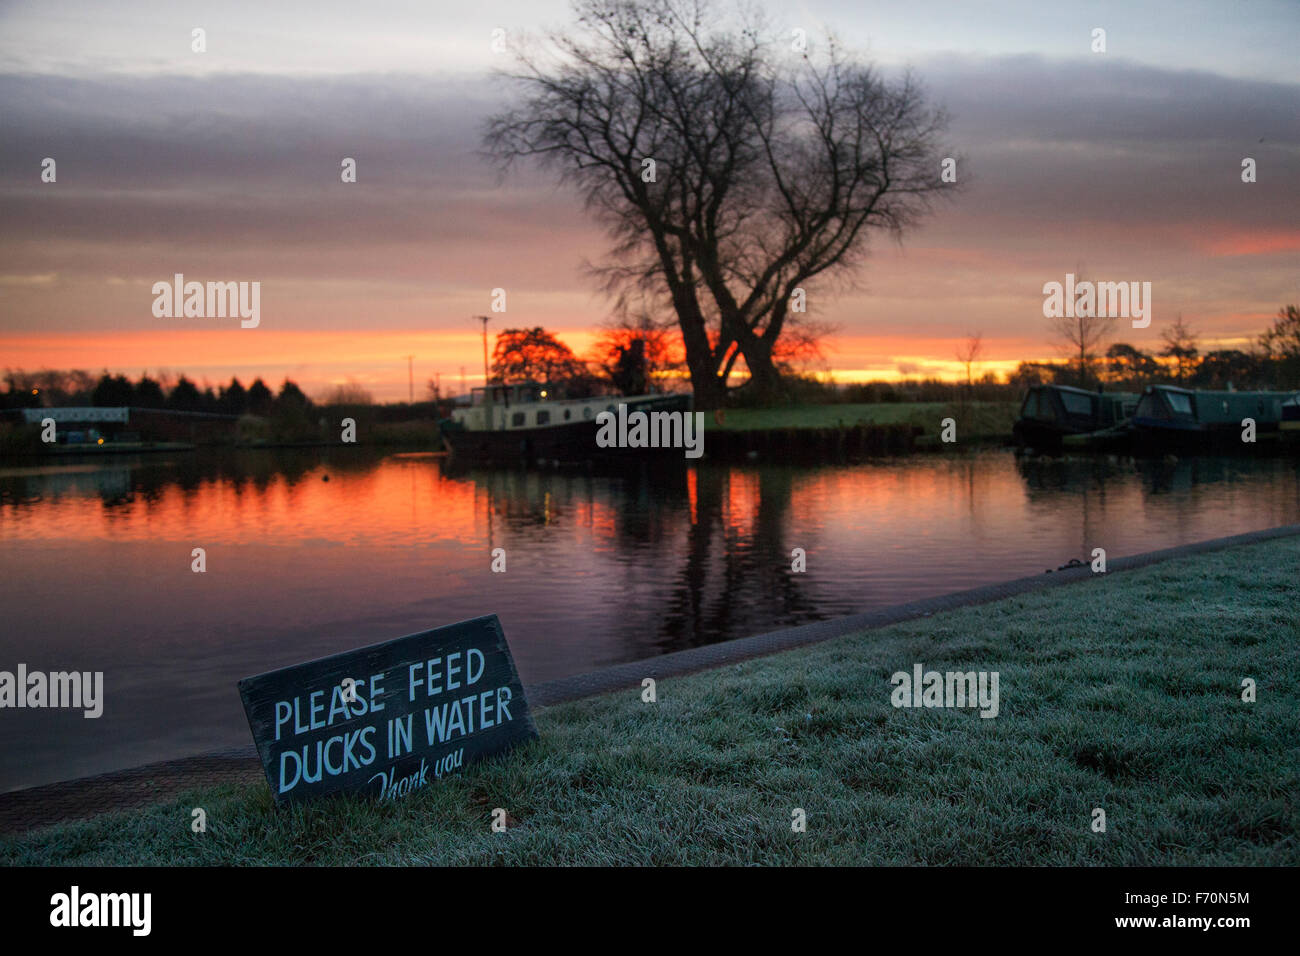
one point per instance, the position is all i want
(1280, 347)
(1181, 348)
(1083, 335)
(185, 396)
(291, 398)
(347, 393)
(969, 352)
(1223, 367)
(148, 393)
(1129, 365)
(534, 355)
(260, 398)
(233, 398)
(113, 390)
(635, 354)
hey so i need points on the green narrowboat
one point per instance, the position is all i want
(1173, 419)
(1051, 412)
(1289, 426)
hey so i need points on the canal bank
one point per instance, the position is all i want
(1093, 675)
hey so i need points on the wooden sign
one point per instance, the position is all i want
(390, 718)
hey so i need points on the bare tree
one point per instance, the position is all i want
(730, 174)
(969, 352)
(1083, 335)
(347, 393)
(1181, 347)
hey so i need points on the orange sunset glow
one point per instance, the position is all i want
(356, 277)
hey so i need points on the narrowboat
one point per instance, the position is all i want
(1171, 419)
(1051, 412)
(1289, 426)
(535, 423)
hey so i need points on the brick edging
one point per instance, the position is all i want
(137, 787)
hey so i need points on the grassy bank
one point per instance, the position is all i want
(1121, 693)
(975, 420)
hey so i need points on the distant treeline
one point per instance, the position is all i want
(54, 388)
(286, 415)
(1272, 362)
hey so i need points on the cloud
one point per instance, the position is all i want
(1129, 170)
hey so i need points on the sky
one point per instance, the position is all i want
(224, 165)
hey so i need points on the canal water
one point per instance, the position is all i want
(313, 552)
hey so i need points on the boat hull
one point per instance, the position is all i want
(1046, 436)
(1155, 436)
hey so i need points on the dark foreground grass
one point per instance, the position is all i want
(1123, 694)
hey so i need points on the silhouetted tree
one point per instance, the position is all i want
(1181, 348)
(185, 396)
(291, 398)
(630, 374)
(635, 353)
(348, 393)
(1082, 336)
(1283, 339)
(730, 176)
(260, 398)
(1129, 365)
(534, 355)
(148, 393)
(1038, 373)
(1281, 347)
(233, 399)
(113, 391)
(969, 352)
(1224, 367)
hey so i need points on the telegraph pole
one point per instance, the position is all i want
(484, 320)
(410, 379)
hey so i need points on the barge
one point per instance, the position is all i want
(535, 424)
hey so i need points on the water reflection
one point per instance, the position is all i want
(314, 552)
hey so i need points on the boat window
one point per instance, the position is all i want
(586, 413)
(567, 413)
(1076, 404)
(517, 419)
(1180, 403)
(543, 418)
(1149, 406)
(1038, 406)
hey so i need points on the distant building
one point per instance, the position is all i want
(89, 423)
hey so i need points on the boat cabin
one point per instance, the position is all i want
(1176, 407)
(1291, 416)
(1050, 412)
(525, 406)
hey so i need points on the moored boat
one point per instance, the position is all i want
(535, 423)
(1289, 426)
(1052, 412)
(1173, 419)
